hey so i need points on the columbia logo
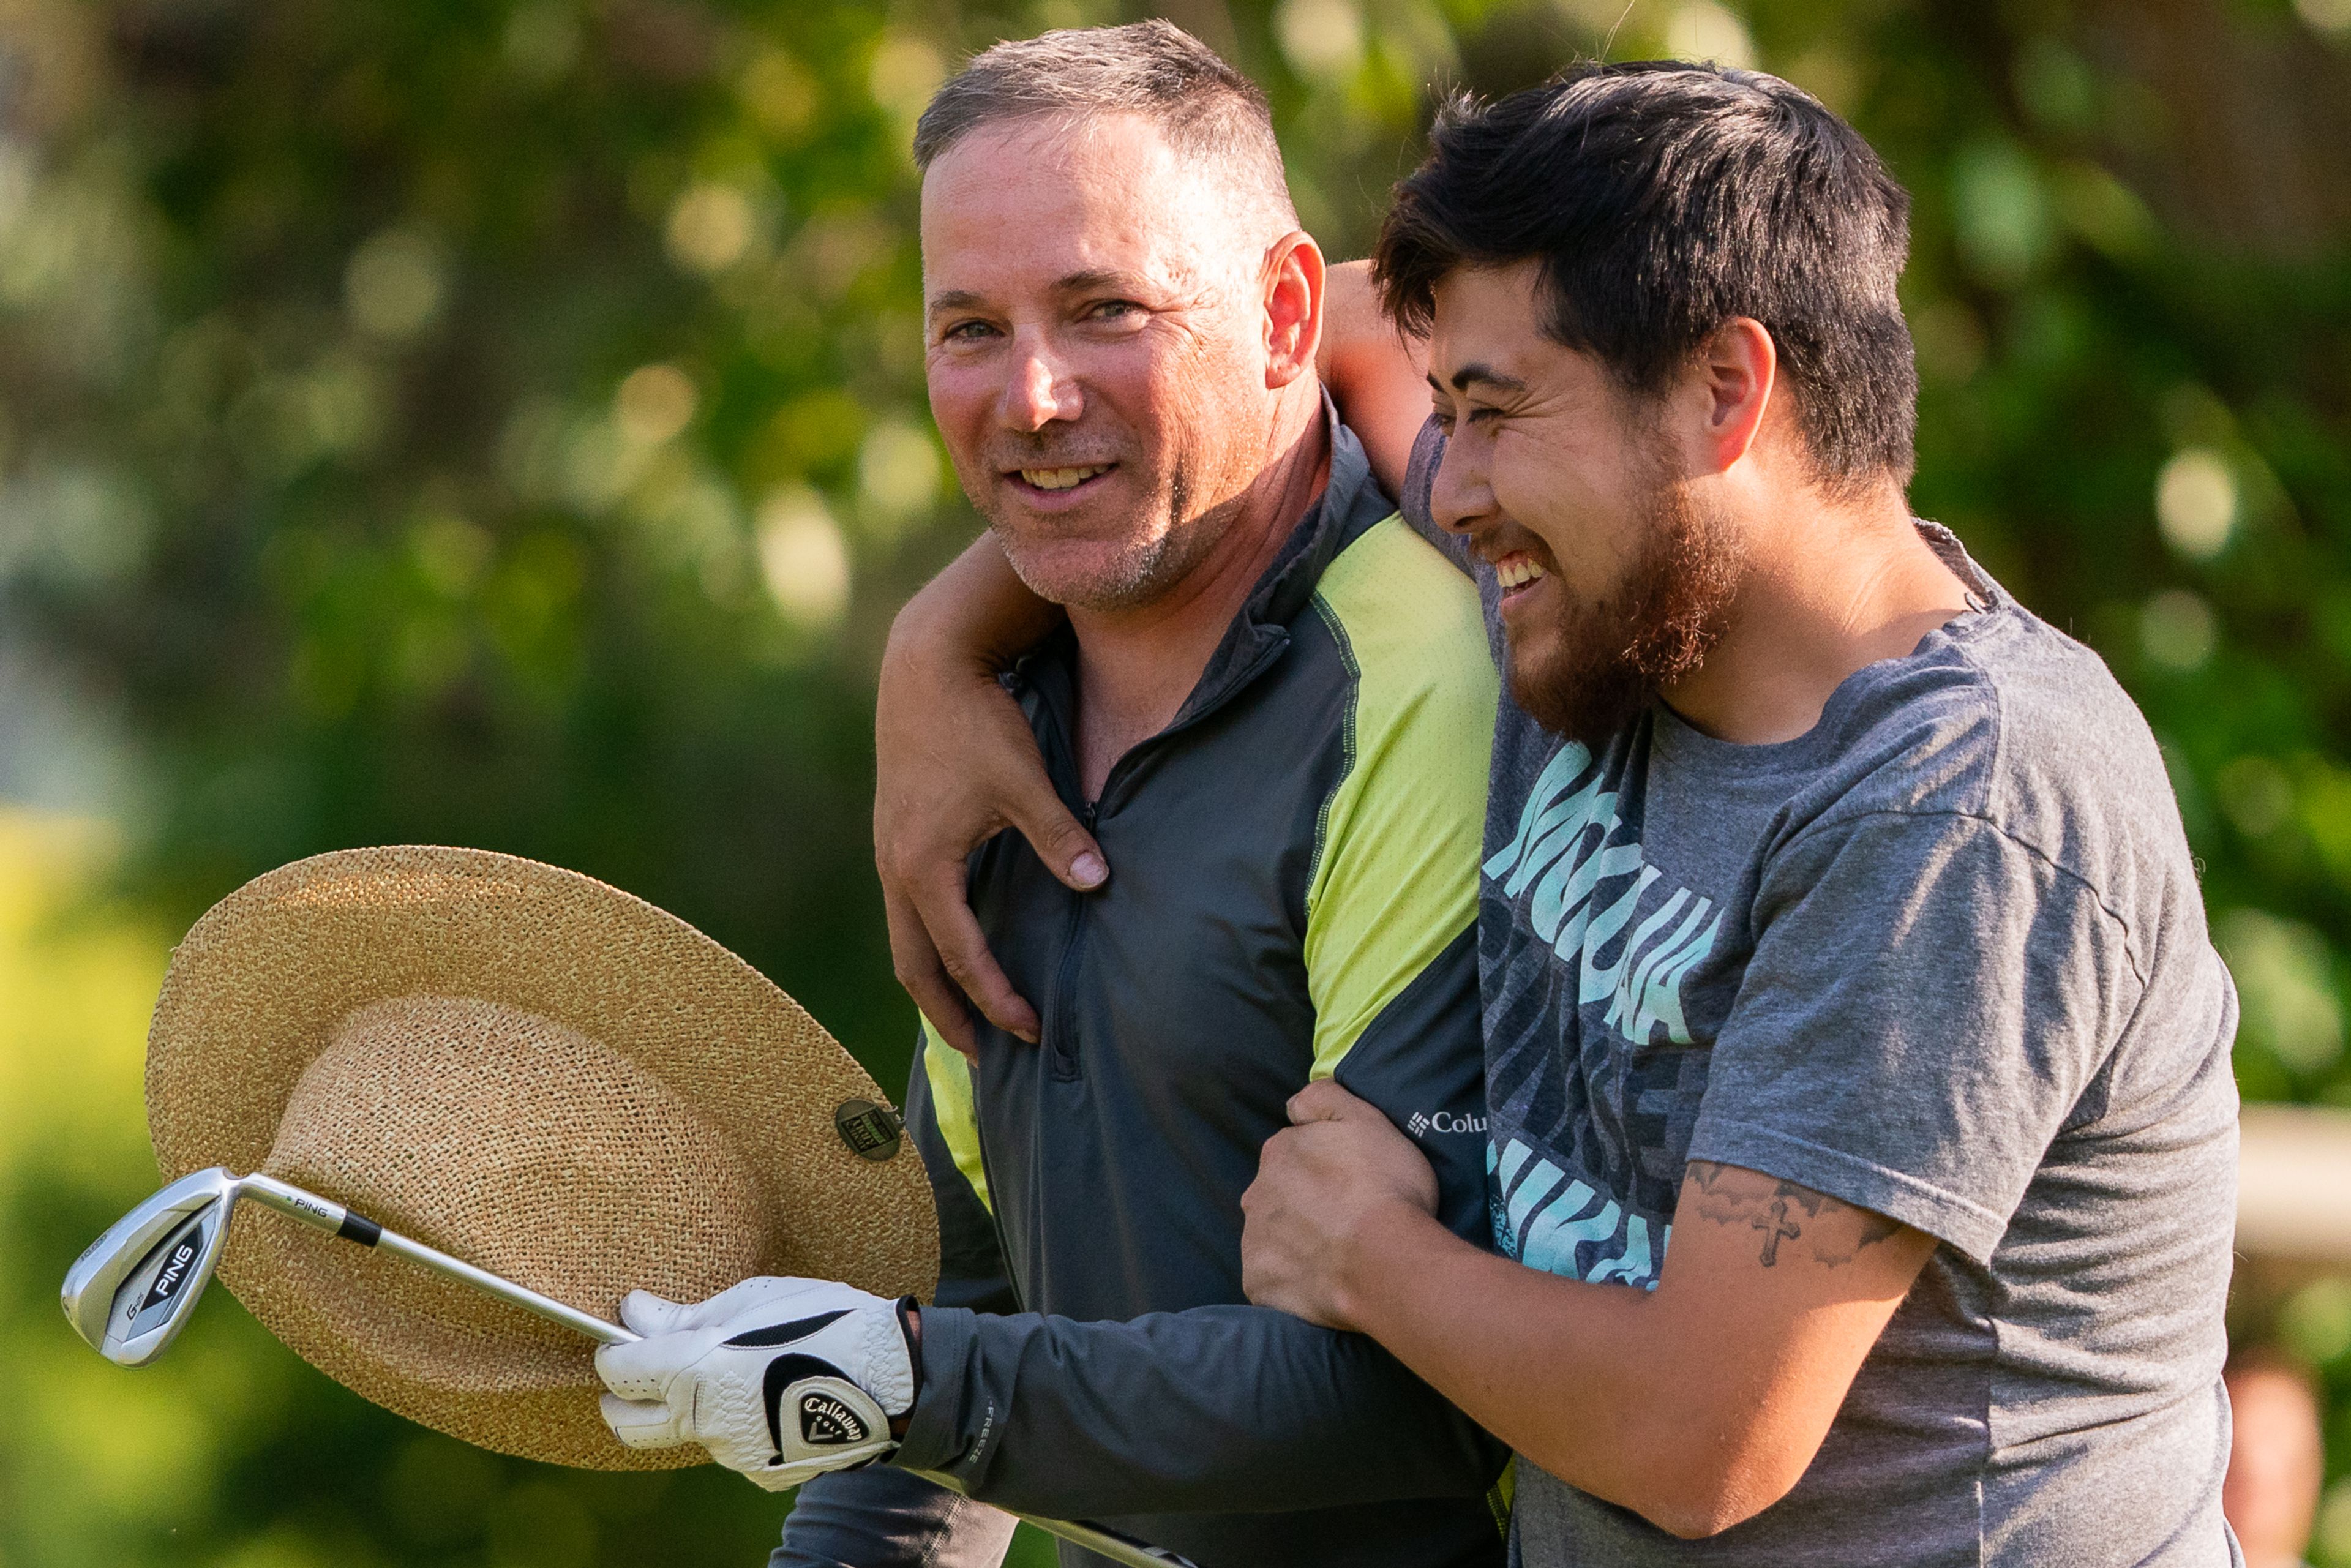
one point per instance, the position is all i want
(1420, 1123)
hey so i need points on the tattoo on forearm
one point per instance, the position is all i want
(1831, 1232)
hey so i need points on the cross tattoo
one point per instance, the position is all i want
(1775, 1226)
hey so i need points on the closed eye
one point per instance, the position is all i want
(1477, 415)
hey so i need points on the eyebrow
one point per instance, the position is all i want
(1098, 278)
(953, 300)
(1479, 371)
(1069, 283)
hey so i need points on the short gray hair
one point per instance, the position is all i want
(1154, 70)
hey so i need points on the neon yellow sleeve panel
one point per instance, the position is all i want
(951, 1103)
(1395, 867)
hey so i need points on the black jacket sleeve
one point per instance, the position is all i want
(882, 1517)
(1230, 1409)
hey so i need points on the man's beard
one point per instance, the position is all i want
(1613, 657)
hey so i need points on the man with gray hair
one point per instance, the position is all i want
(1270, 699)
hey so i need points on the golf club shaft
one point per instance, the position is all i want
(323, 1215)
(353, 1226)
(1094, 1538)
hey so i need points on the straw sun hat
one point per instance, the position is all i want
(533, 1070)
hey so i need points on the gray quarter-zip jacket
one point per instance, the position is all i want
(1293, 890)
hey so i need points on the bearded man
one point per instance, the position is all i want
(1837, 926)
(1268, 698)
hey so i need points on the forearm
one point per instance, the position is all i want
(976, 610)
(1571, 1375)
(1221, 1409)
(1697, 1404)
(1374, 373)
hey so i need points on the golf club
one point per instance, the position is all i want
(130, 1292)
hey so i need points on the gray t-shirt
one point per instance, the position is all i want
(1943, 957)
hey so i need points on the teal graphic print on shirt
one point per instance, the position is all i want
(1616, 940)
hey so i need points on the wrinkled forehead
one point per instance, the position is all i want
(1017, 206)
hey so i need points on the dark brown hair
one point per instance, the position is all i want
(1664, 199)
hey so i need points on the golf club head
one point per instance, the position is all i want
(133, 1289)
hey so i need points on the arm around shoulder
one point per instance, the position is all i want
(956, 764)
(1375, 375)
(1696, 1404)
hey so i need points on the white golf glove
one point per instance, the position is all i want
(781, 1379)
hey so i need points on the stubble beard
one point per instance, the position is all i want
(1141, 573)
(1612, 658)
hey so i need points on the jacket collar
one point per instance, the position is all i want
(1351, 501)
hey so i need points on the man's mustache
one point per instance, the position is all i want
(1004, 457)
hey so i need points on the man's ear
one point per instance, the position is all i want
(1294, 307)
(1734, 381)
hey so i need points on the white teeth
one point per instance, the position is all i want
(1516, 571)
(1061, 479)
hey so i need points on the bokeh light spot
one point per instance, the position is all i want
(780, 94)
(542, 41)
(1321, 38)
(1703, 30)
(395, 285)
(803, 558)
(451, 553)
(2177, 629)
(2003, 227)
(2195, 503)
(898, 475)
(2257, 796)
(905, 72)
(654, 403)
(710, 228)
(2286, 982)
(2332, 17)
(2316, 1320)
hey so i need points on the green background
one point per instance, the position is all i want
(503, 426)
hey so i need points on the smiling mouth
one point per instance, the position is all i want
(1063, 479)
(1516, 570)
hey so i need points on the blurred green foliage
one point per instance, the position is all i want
(503, 424)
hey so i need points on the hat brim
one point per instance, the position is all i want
(257, 991)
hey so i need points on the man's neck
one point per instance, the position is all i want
(1829, 589)
(1136, 666)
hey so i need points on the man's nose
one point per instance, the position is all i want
(1458, 496)
(1038, 392)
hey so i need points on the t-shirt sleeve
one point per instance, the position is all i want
(1419, 479)
(1926, 1001)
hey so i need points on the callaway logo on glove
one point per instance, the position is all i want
(781, 1379)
